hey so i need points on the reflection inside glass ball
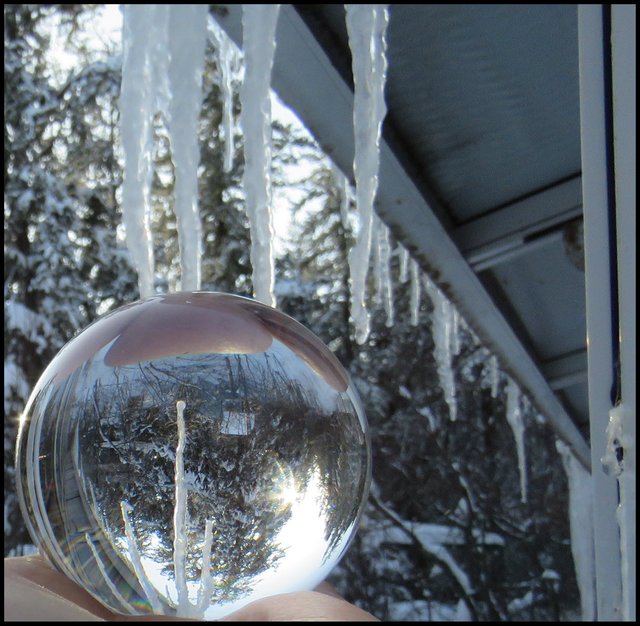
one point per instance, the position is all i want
(190, 453)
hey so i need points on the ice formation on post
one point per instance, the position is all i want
(144, 56)
(515, 419)
(443, 336)
(187, 37)
(224, 53)
(366, 28)
(259, 41)
(615, 463)
(581, 525)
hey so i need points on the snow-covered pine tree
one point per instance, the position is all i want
(60, 222)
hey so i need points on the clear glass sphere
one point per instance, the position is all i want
(193, 452)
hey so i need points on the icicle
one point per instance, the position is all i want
(377, 265)
(515, 419)
(224, 52)
(345, 197)
(366, 28)
(404, 263)
(144, 35)
(581, 525)
(134, 555)
(494, 375)
(187, 37)
(206, 582)
(414, 303)
(106, 578)
(386, 284)
(180, 519)
(259, 41)
(442, 337)
(455, 330)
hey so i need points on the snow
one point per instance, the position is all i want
(35, 327)
(581, 524)
(519, 604)
(427, 611)
(259, 28)
(186, 46)
(425, 411)
(366, 28)
(515, 419)
(404, 392)
(432, 543)
(433, 534)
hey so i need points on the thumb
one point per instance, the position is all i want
(29, 598)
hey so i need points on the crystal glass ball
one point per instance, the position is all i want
(190, 453)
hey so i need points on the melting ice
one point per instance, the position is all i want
(366, 28)
(162, 71)
(259, 41)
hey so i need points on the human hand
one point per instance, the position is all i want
(34, 590)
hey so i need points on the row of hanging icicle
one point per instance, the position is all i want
(164, 47)
(163, 63)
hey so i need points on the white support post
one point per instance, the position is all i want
(607, 111)
(623, 70)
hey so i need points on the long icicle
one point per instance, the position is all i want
(142, 54)
(442, 337)
(516, 421)
(136, 561)
(386, 283)
(366, 28)
(186, 64)
(224, 55)
(259, 40)
(414, 303)
(180, 519)
(581, 528)
(404, 263)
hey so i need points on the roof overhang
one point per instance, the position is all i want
(488, 211)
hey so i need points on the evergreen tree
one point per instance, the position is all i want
(445, 533)
(60, 217)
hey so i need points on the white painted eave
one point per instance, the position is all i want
(306, 80)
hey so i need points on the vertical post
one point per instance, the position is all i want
(598, 296)
(602, 262)
(623, 76)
